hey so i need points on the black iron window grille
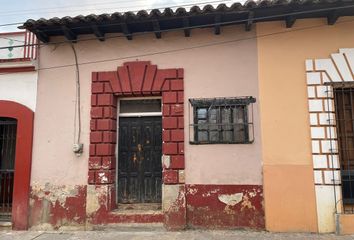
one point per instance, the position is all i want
(221, 120)
(8, 128)
(344, 109)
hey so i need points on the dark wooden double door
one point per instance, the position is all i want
(139, 160)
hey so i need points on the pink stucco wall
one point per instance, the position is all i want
(214, 70)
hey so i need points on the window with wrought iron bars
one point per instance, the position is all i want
(344, 109)
(221, 120)
(8, 128)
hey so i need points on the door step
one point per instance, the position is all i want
(131, 227)
(133, 220)
(5, 225)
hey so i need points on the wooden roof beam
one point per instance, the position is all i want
(249, 22)
(217, 28)
(156, 28)
(289, 21)
(126, 31)
(98, 33)
(43, 37)
(332, 17)
(186, 26)
(69, 34)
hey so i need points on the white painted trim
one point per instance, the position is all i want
(20, 87)
(321, 110)
(141, 114)
(31, 63)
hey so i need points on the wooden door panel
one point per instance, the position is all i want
(123, 136)
(133, 190)
(123, 164)
(147, 163)
(158, 189)
(147, 188)
(122, 190)
(157, 165)
(139, 160)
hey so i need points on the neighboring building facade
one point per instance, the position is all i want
(301, 165)
(18, 92)
(213, 127)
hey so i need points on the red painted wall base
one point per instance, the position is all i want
(57, 206)
(225, 206)
(196, 206)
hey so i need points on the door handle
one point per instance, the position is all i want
(137, 156)
(140, 152)
(134, 158)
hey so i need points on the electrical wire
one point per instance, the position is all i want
(197, 3)
(77, 100)
(11, 24)
(15, 40)
(187, 48)
(71, 6)
(81, 6)
(183, 28)
(124, 7)
(175, 6)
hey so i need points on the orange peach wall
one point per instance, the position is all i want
(345, 224)
(290, 202)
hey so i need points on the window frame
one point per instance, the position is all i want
(219, 104)
(138, 114)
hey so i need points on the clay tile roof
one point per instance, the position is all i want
(158, 21)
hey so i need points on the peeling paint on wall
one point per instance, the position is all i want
(101, 209)
(174, 206)
(54, 207)
(92, 204)
(225, 206)
(230, 199)
(207, 206)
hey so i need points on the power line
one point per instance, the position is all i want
(183, 28)
(11, 24)
(238, 21)
(15, 40)
(55, 10)
(186, 48)
(198, 3)
(70, 6)
(143, 7)
(175, 6)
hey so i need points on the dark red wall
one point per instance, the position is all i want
(206, 210)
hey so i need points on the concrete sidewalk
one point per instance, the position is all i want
(163, 235)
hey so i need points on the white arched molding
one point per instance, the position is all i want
(338, 68)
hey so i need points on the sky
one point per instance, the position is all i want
(18, 11)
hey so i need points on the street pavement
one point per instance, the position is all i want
(136, 234)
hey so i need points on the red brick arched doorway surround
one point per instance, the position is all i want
(23, 159)
(137, 79)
